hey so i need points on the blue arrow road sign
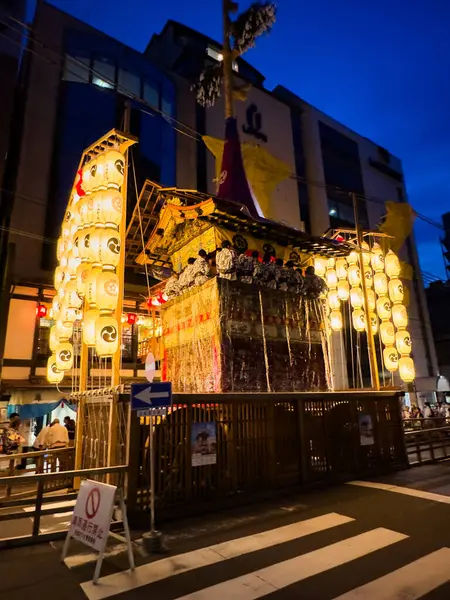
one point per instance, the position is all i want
(151, 395)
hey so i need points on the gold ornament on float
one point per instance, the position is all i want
(377, 258)
(390, 358)
(64, 356)
(396, 293)
(107, 336)
(54, 375)
(392, 264)
(336, 320)
(343, 290)
(354, 275)
(380, 282)
(359, 320)
(387, 333)
(320, 266)
(407, 370)
(399, 316)
(403, 341)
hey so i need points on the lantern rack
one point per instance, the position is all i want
(113, 138)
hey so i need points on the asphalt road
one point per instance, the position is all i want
(349, 543)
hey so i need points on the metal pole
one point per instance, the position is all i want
(227, 59)
(152, 480)
(370, 341)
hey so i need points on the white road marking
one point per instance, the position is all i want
(167, 567)
(386, 487)
(270, 579)
(77, 560)
(408, 583)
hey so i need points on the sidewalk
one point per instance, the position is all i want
(428, 478)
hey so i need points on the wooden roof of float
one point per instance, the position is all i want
(164, 210)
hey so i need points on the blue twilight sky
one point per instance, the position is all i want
(382, 68)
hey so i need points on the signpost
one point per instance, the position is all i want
(91, 520)
(149, 400)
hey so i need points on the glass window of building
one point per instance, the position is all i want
(151, 93)
(76, 69)
(104, 73)
(130, 82)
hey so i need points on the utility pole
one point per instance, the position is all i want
(370, 340)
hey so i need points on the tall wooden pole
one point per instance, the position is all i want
(227, 60)
(375, 379)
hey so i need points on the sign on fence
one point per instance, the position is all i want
(204, 443)
(145, 396)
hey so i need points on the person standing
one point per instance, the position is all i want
(69, 424)
(57, 436)
(11, 439)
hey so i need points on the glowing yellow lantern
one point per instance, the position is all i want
(59, 277)
(336, 320)
(54, 375)
(390, 358)
(371, 300)
(387, 333)
(69, 315)
(377, 258)
(63, 331)
(406, 369)
(359, 320)
(396, 290)
(356, 297)
(331, 278)
(76, 244)
(56, 308)
(72, 265)
(91, 285)
(97, 217)
(399, 316)
(320, 266)
(384, 310)
(89, 326)
(331, 263)
(107, 336)
(81, 277)
(403, 341)
(98, 176)
(366, 253)
(53, 338)
(64, 356)
(105, 246)
(373, 322)
(84, 244)
(354, 275)
(353, 258)
(341, 268)
(89, 172)
(108, 292)
(85, 211)
(380, 283)
(343, 290)
(114, 169)
(59, 248)
(392, 264)
(368, 274)
(71, 298)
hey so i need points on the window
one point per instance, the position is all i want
(129, 82)
(76, 69)
(151, 93)
(167, 108)
(104, 73)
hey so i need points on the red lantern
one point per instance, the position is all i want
(132, 318)
(41, 311)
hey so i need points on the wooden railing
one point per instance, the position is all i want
(427, 440)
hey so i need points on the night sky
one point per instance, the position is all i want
(381, 68)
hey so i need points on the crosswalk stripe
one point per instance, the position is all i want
(410, 582)
(278, 576)
(167, 567)
(397, 489)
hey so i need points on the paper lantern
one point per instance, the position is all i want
(107, 336)
(53, 338)
(114, 169)
(384, 308)
(76, 244)
(399, 316)
(85, 211)
(81, 277)
(403, 341)
(336, 320)
(392, 264)
(41, 311)
(59, 248)
(89, 326)
(354, 275)
(353, 258)
(380, 284)
(366, 254)
(112, 208)
(331, 263)
(331, 278)
(71, 298)
(91, 286)
(98, 176)
(97, 216)
(131, 318)
(89, 175)
(341, 268)
(105, 246)
(373, 319)
(377, 258)
(72, 266)
(107, 292)
(387, 333)
(84, 244)
(343, 290)
(390, 358)
(406, 369)
(54, 375)
(359, 320)
(58, 277)
(356, 297)
(368, 274)
(64, 356)
(320, 266)
(64, 332)
(68, 315)
(396, 290)
(371, 300)
(56, 308)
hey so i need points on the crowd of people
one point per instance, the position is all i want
(431, 415)
(267, 272)
(51, 437)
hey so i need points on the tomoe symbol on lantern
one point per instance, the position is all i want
(109, 333)
(114, 245)
(119, 166)
(65, 355)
